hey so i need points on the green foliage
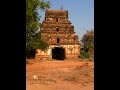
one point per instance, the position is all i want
(88, 40)
(84, 55)
(88, 44)
(33, 38)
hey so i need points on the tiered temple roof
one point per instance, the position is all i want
(57, 29)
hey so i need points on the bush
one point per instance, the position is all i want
(84, 55)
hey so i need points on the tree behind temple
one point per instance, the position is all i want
(88, 42)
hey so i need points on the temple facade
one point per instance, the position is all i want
(58, 32)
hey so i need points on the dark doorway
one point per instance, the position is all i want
(57, 29)
(56, 19)
(58, 53)
(58, 40)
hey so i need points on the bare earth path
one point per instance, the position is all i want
(60, 75)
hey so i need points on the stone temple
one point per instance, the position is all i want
(58, 32)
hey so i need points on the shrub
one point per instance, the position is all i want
(84, 55)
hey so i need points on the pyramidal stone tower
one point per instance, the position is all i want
(58, 32)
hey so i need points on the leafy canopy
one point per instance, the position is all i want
(33, 38)
(88, 44)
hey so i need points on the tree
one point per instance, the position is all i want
(88, 42)
(33, 38)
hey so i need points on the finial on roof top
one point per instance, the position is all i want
(61, 8)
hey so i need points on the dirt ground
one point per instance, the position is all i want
(60, 75)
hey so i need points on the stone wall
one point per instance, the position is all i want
(71, 52)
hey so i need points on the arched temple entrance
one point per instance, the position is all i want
(58, 53)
